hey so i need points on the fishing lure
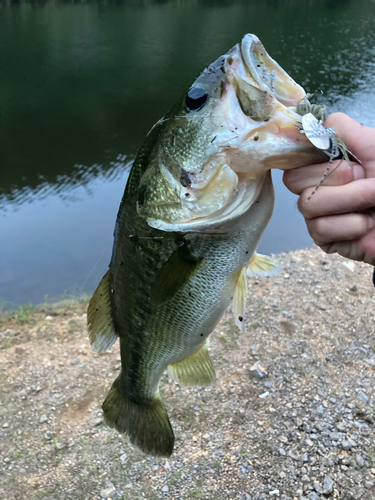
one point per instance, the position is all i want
(324, 138)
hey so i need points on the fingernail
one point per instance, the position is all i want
(371, 222)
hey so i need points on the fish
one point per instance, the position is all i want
(197, 201)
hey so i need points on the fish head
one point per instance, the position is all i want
(236, 122)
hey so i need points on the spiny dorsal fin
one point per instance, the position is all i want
(262, 265)
(196, 369)
(100, 325)
(239, 299)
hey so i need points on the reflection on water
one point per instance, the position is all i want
(82, 83)
(65, 186)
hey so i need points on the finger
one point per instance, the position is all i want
(339, 173)
(362, 249)
(334, 200)
(347, 227)
(358, 138)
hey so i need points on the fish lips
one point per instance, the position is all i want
(268, 95)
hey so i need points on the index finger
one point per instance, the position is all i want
(358, 138)
(356, 196)
(339, 174)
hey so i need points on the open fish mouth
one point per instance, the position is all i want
(262, 102)
(237, 122)
(267, 74)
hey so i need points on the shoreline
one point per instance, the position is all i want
(304, 431)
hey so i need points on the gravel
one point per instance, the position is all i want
(290, 416)
(109, 491)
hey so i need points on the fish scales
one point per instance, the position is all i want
(167, 333)
(196, 204)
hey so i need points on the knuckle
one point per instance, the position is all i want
(345, 174)
(305, 205)
(292, 180)
(369, 190)
(316, 228)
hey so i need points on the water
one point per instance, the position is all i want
(81, 83)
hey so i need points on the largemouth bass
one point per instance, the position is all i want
(196, 204)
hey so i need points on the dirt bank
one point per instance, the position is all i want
(306, 430)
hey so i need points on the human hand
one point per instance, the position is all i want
(340, 216)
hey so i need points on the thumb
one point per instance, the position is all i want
(358, 138)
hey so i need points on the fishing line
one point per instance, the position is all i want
(94, 266)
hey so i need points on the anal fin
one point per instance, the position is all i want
(100, 325)
(196, 369)
(262, 265)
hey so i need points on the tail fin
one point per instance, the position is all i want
(148, 426)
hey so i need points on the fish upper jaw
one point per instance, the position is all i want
(268, 74)
(258, 102)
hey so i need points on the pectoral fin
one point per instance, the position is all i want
(239, 299)
(196, 369)
(101, 329)
(262, 265)
(174, 274)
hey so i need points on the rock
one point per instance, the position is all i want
(43, 419)
(305, 458)
(359, 459)
(341, 426)
(98, 421)
(165, 489)
(60, 446)
(108, 491)
(5, 425)
(313, 496)
(346, 445)
(327, 485)
(318, 487)
(48, 436)
(363, 397)
(334, 436)
(75, 361)
(264, 395)
(258, 371)
(282, 452)
(320, 410)
(353, 288)
(123, 457)
(274, 492)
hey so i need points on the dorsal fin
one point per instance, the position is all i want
(100, 325)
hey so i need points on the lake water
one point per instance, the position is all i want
(81, 83)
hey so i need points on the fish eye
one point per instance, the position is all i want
(196, 99)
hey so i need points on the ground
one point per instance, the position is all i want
(304, 431)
